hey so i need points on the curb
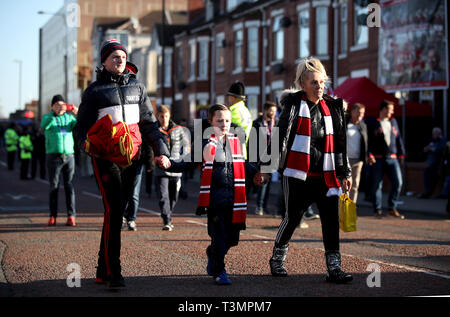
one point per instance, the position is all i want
(5, 287)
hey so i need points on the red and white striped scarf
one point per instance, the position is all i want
(298, 160)
(240, 200)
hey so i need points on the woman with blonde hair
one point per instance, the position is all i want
(312, 157)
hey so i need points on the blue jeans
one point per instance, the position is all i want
(392, 167)
(57, 164)
(167, 189)
(263, 195)
(132, 204)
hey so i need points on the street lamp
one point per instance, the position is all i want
(18, 61)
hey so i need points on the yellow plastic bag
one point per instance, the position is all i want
(347, 214)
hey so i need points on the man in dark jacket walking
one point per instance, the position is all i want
(117, 94)
(264, 126)
(386, 150)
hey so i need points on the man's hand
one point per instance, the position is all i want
(75, 110)
(59, 109)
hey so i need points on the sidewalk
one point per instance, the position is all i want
(431, 206)
(410, 204)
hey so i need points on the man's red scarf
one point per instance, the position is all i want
(240, 200)
(298, 160)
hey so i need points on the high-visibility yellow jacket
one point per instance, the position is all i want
(241, 116)
(26, 147)
(11, 139)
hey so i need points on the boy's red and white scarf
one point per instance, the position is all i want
(240, 200)
(298, 160)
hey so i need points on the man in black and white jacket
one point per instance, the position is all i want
(119, 94)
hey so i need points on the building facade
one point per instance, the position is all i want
(261, 42)
(66, 46)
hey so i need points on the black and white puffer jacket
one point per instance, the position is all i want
(125, 99)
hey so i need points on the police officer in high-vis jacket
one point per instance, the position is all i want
(26, 150)
(240, 115)
(12, 141)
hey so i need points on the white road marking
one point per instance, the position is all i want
(43, 181)
(197, 223)
(140, 208)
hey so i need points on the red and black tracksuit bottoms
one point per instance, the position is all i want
(116, 186)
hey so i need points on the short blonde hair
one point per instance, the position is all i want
(309, 65)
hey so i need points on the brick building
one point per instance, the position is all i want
(261, 42)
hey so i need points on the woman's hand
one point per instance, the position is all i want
(347, 184)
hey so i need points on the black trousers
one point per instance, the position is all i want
(24, 164)
(116, 185)
(299, 195)
(11, 159)
(223, 236)
(35, 160)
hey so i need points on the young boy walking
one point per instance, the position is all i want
(222, 190)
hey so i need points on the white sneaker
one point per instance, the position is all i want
(168, 227)
(259, 211)
(132, 225)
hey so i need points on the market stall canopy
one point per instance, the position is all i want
(363, 90)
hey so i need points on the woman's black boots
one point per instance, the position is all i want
(277, 260)
(335, 274)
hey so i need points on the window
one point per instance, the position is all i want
(344, 30)
(203, 60)
(179, 63)
(220, 58)
(167, 68)
(322, 31)
(252, 49)
(232, 4)
(192, 59)
(253, 93)
(361, 31)
(303, 33)
(252, 105)
(278, 39)
(238, 50)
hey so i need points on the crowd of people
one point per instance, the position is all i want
(323, 149)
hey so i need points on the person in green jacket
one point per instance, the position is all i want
(240, 115)
(11, 140)
(59, 149)
(26, 150)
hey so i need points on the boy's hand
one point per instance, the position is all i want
(163, 162)
(261, 178)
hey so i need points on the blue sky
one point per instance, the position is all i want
(19, 30)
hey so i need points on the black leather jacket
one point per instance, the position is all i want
(287, 129)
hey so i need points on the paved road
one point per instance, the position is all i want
(396, 257)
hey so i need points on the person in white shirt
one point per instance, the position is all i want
(357, 142)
